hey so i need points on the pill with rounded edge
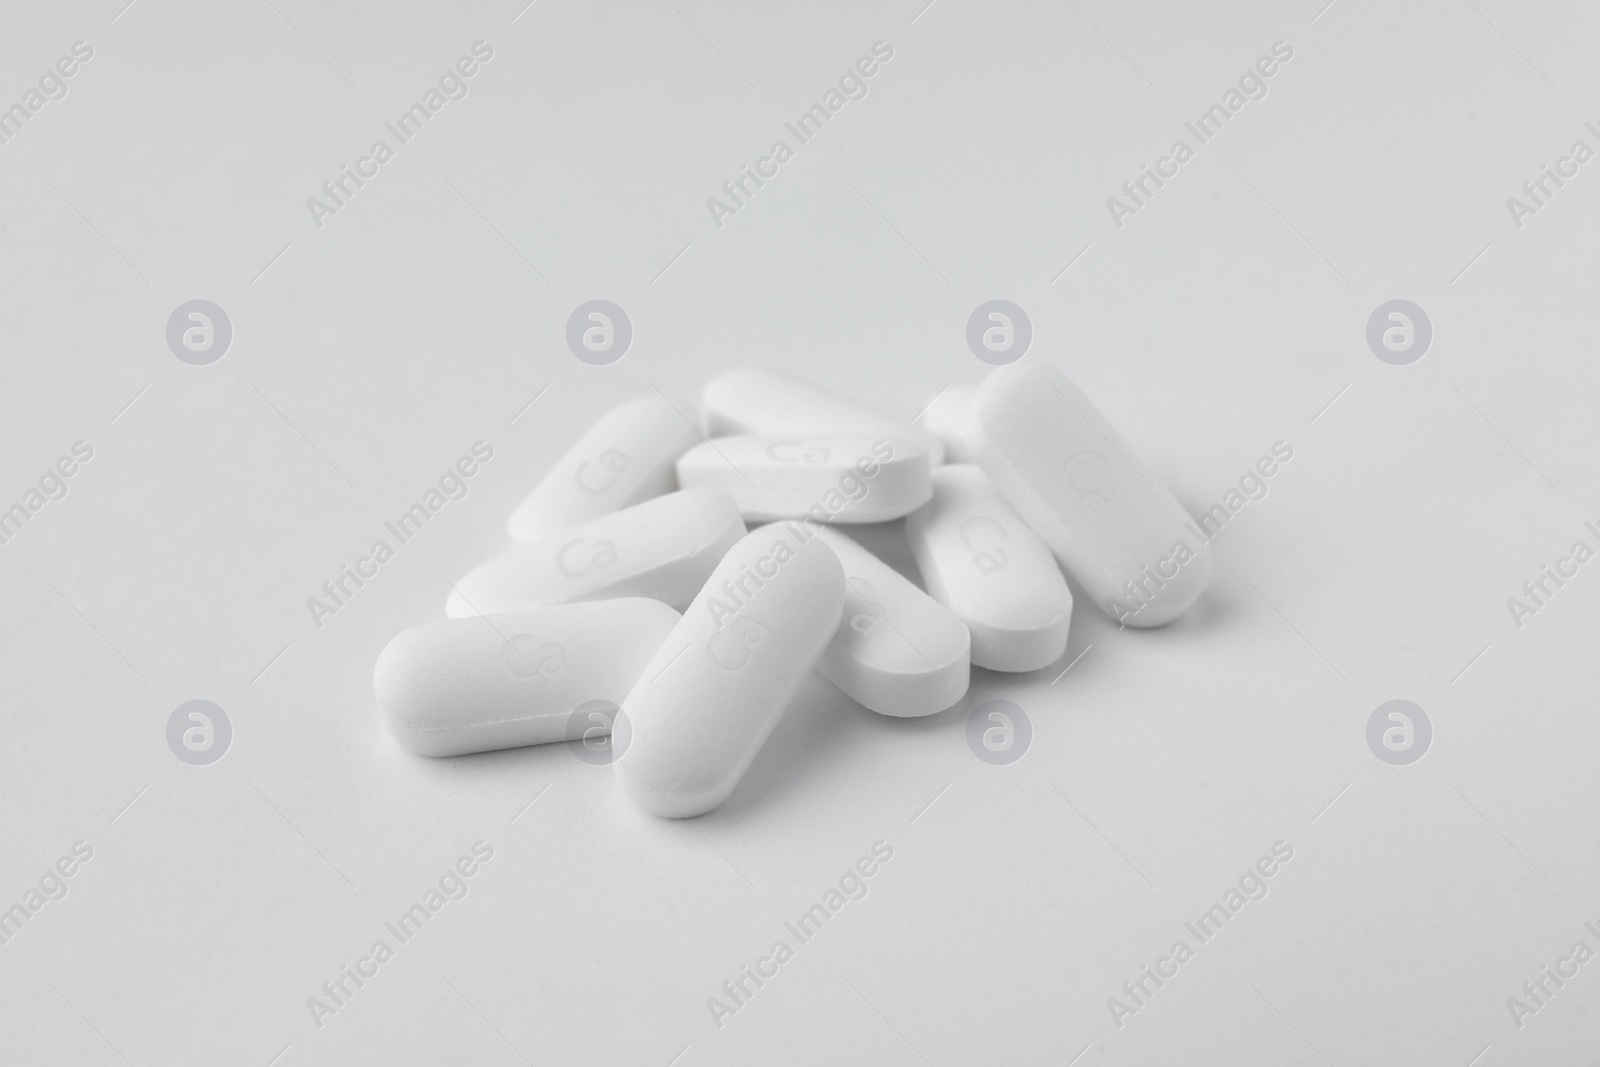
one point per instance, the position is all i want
(664, 549)
(753, 400)
(979, 559)
(830, 477)
(1071, 475)
(624, 458)
(897, 650)
(721, 681)
(498, 681)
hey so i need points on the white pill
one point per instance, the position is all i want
(764, 401)
(624, 458)
(832, 478)
(719, 684)
(664, 549)
(945, 418)
(980, 560)
(897, 651)
(1125, 539)
(498, 681)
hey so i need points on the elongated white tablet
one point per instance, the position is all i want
(897, 650)
(705, 704)
(945, 418)
(498, 681)
(980, 560)
(752, 400)
(624, 458)
(664, 549)
(831, 478)
(1068, 472)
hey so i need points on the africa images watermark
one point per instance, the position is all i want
(852, 85)
(1538, 191)
(52, 85)
(1550, 580)
(1537, 992)
(52, 486)
(1252, 85)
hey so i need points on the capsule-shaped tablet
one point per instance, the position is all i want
(1070, 474)
(980, 560)
(752, 400)
(719, 684)
(499, 681)
(664, 549)
(831, 478)
(897, 650)
(945, 418)
(623, 459)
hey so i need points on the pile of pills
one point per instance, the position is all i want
(634, 582)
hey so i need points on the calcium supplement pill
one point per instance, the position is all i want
(945, 418)
(980, 560)
(718, 685)
(764, 401)
(832, 478)
(897, 651)
(664, 549)
(624, 458)
(1068, 472)
(498, 681)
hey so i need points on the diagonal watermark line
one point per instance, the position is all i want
(307, 40)
(85, 1018)
(524, 10)
(695, 827)
(268, 667)
(279, 1056)
(125, 7)
(486, 1021)
(1503, 437)
(530, 803)
(930, 803)
(96, 629)
(1324, 11)
(1514, 48)
(304, 838)
(703, 437)
(1469, 266)
(1479, 1056)
(489, 621)
(96, 229)
(1287, 1023)
(1296, 229)
(268, 267)
(1330, 403)
(669, 266)
(303, 437)
(1468, 667)
(1074, 662)
(923, 12)
(1296, 629)
(713, 47)
(1503, 837)
(1068, 267)
(530, 403)
(896, 229)
(924, 409)
(689, 1046)
(495, 228)
(885, 1018)
(1107, 40)
(1332, 802)
(123, 410)
(130, 803)
(668, 667)
(1079, 1056)
(1103, 837)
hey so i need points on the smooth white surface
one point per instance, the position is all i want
(664, 549)
(897, 651)
(502, 680)
(1079, 484)
(849, 478)
(754, 400)
(980, 560)
(624, 458)
(945, 419)
(721, 680)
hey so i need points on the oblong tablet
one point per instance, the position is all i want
(624, 458)
(897, 650)
(945, 418)
(718, 685)
(1069, 473)
(753, 400)
(831, 477)
(498, 681)
(664, 549)
(980, 560)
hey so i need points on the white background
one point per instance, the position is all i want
(370, 353)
